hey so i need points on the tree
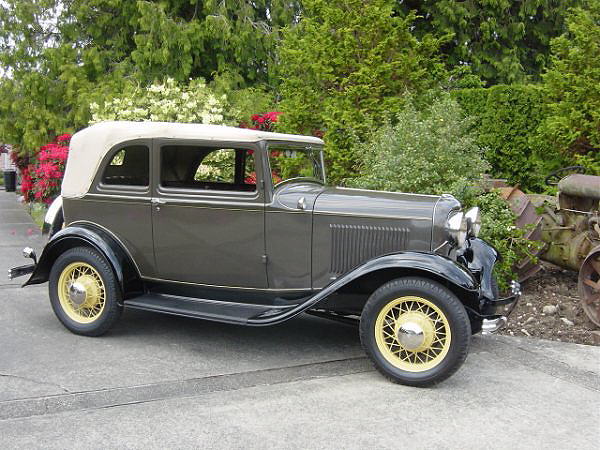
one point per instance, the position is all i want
(502, 41)
(192, 38)
(60, 56)
(573, 84)
(345, 67)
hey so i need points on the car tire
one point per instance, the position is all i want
(84, 292)
(415, 331)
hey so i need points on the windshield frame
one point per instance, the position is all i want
(277, 145)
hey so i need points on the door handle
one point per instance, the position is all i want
(302, 203)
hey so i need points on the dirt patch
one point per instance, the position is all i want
(550, 309)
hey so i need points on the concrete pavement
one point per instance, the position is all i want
(159, 381)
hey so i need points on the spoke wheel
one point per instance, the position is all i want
(413, 334)
(81, 292)
(415, 331)
(589, 285)
(84, 291)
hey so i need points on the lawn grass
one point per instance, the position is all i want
(37, 212)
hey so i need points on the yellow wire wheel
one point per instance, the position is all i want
(412, 333)
(81, 292)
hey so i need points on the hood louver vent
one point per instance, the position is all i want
(354, 244)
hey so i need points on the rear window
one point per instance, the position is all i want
(129, 166)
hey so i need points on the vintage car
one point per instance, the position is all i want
(240, 226)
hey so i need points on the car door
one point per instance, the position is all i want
(208, 214)
(289, 216)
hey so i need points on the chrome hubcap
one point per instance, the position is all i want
(77, 293)
(410, 335)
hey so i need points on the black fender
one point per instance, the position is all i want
(423, 263)
(89, 235)
(480, 257)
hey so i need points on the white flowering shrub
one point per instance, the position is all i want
(166, 102)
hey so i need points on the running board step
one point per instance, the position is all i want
(238, 313)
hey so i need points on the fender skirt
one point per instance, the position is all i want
(90, 236)
(432, 263)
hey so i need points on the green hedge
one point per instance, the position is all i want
(506, 119)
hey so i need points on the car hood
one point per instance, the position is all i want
(366, 203)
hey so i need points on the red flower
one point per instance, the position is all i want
(41, 180)
(251, 178)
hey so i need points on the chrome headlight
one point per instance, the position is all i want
(456, 226)
(473, 217)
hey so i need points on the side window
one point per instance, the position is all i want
(217, 167)
(129, 166)
(192, 167)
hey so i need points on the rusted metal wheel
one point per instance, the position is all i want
(589, 285)
(523, 208)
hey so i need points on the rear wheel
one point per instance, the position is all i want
(84, 292)
(415, 331)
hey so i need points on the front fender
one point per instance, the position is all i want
(433, 263)
(90, 236)
(480, 258)
(423, 263)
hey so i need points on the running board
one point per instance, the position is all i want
(218, 311)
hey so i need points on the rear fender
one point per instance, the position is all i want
(88, 235)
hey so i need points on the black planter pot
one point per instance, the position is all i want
(10, 180)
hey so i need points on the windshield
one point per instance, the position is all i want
(290, 162)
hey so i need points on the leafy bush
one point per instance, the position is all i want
(166, 102)
(432, 151)
(428, 150)
(507, 119)
(590, 161)
(573, 83)
(243, 101)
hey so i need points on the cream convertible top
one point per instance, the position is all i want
(89, 145)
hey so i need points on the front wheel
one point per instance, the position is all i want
(415, 331)
(84, 292)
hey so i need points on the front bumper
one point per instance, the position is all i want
(495, 313)
(502, 306)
